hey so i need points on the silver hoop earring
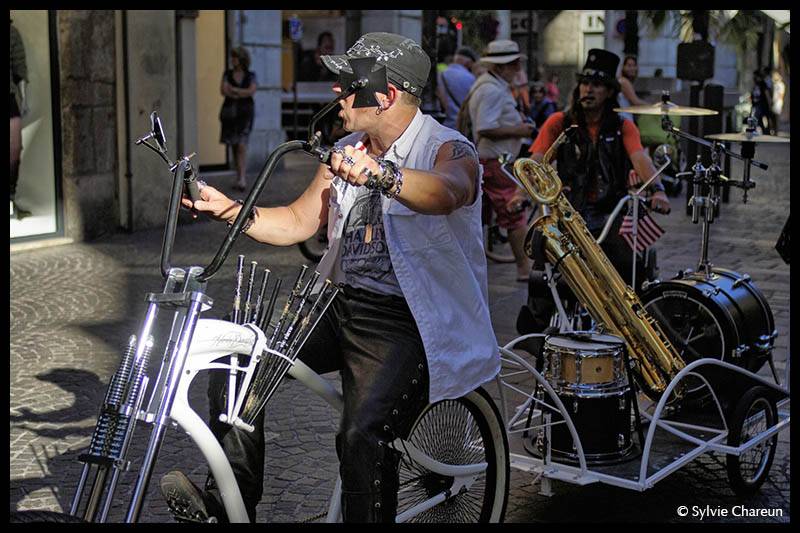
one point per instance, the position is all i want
(379, 111)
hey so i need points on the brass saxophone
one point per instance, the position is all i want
(592, 277)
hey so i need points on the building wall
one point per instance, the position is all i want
(260, 32)
(560, 46)
(88, 121)
(152, 86)
(659, 49)
(406, 22)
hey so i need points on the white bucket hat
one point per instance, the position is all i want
(501, 51)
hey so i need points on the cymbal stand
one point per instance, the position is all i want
(711, 177)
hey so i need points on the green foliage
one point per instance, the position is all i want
(477, 26)
(741, 31)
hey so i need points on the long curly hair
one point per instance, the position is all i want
(241, 53)
(609, 119)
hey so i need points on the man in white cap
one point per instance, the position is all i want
(498, 128)
(411, 324)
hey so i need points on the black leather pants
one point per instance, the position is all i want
(373, 341)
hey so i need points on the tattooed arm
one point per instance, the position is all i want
(452, 183)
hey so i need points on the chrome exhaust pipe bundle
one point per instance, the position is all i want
(286, 334)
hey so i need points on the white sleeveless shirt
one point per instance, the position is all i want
(440, 265)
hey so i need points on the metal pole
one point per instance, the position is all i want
(161, 419)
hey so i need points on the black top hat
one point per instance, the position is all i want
(600, 65)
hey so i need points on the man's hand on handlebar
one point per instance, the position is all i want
(214, 203)
(660, 203)
(352, 164)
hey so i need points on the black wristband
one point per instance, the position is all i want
(251, 218)
(657, 187)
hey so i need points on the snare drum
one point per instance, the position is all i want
(585, 364)
(588, 374)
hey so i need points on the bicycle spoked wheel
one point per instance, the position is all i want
(458, 432)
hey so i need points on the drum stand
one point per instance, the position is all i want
(707, 180)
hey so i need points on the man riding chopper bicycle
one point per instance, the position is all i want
(602, 158)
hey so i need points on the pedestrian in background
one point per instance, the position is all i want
(311, 68)
(454, 83)
(541, 106)
(553, 93)
(778, 93)
(760, 101)
(499, 128)
(18, 108)
(238, 110)
(627, 94)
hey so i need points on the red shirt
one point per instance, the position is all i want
(554, 125)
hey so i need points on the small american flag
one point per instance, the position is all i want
(648, 231)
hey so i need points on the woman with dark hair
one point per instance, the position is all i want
(627, 95)
(238, 87)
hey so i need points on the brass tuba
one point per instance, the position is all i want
(592, 277)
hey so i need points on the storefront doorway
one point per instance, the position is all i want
(38, 191)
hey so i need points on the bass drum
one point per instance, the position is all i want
(725, 317)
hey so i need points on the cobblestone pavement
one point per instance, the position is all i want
(73, 307)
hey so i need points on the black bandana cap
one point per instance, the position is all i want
(407, 64)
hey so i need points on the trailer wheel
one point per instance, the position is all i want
(754, 413)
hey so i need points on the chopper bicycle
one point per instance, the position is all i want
(454, 465)
(579, 406)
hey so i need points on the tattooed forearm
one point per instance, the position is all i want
(459, 150)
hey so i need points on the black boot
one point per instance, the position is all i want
(187, 503)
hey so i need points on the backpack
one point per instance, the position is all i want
(463, 120)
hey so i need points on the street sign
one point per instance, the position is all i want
(295, 28)
(519, 22)
(593, 21)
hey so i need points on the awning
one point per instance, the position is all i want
(780, 16)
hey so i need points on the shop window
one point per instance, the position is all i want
(37, 194)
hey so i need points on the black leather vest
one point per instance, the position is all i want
(602, 167)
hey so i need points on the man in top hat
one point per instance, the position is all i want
(595, 162)
(411, 324)
(499, 127)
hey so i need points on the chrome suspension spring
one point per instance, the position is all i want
(102, 443)
(119, 381)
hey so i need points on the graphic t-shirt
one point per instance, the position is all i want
(365, 255)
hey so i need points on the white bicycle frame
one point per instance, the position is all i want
(195, 345)
(214, 341)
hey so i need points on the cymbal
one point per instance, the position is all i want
(668, 108)
(743, 136)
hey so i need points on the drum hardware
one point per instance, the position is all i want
(739, 281)
(739, 351)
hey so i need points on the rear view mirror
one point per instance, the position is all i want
(157, 131)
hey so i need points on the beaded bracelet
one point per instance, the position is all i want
(393, 191)
(391, 179)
